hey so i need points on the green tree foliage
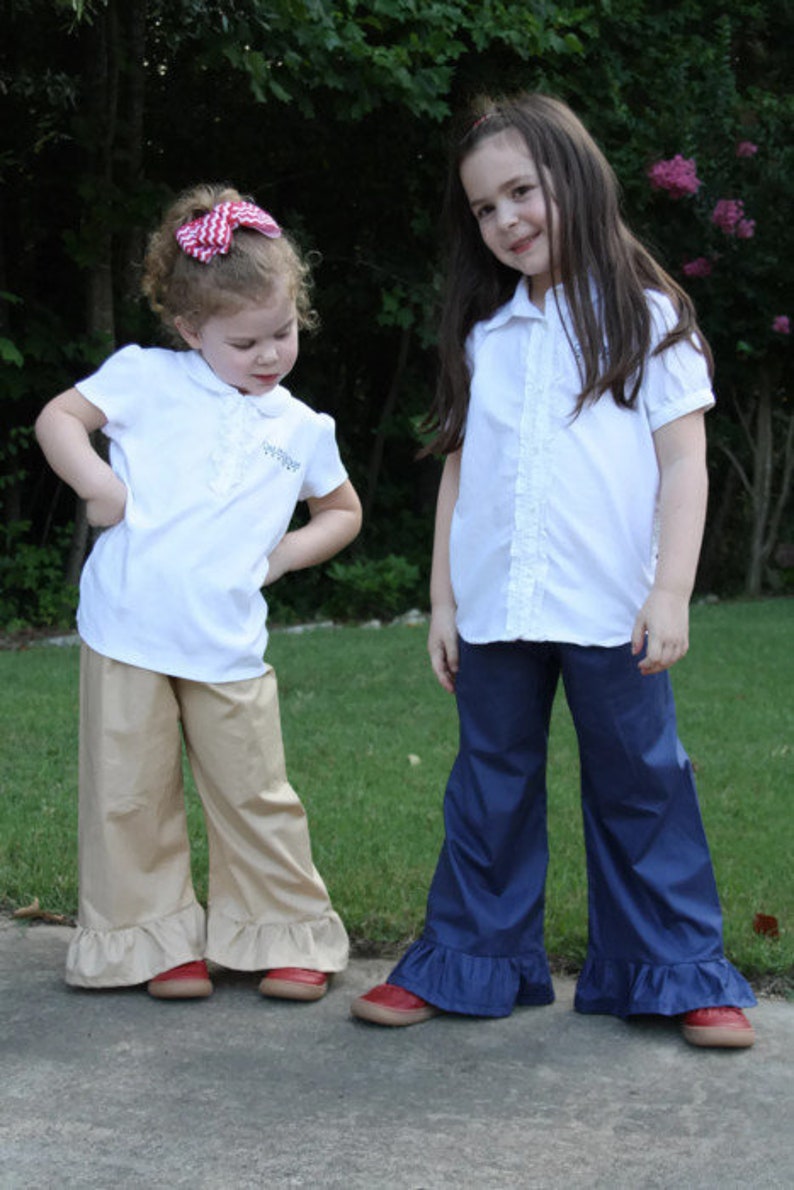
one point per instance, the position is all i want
(334, 114)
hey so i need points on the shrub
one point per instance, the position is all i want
(32, 588)
(374, 587)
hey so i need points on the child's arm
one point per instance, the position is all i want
(63, 429)
(664, 617)
(442, 640)
(334, 521)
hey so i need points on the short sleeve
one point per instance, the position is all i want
(119, 386)
(325, 470)
(676, 381)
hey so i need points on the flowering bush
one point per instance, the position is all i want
(728, 215)
(722, 260)
(731, 236)
(700, 267)
(677, 176)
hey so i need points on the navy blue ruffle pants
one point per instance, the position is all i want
(655, 925)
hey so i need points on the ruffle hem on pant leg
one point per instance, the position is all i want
(475, 985)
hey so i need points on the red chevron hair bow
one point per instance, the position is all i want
(211, 233)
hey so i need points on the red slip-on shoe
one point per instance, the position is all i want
(724, 1027)
(189, 981)
(388, 1004)
(294, 983)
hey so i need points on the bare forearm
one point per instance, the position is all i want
(67, 447)
(441, 593)
(662, 623)
(442, 639)
(682, 515)
(63, 429)
(323, 536)
(335, 521)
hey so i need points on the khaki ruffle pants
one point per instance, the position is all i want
(138, 914)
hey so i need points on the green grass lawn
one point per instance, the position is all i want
(370, 738)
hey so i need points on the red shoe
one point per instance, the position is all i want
(294, 983)
(388, 1004)
(726, 1027)
(189, 981)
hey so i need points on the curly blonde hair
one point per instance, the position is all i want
(178, 286)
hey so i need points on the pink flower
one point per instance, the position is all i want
(782, 324)
(746, 148)
(700, 267)
(676, 176)
(727, 215)
(745, 229)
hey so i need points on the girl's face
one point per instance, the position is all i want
(503, 188)
(253, 349)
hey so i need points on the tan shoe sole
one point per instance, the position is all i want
(379, 1014)
(719, 1038)
(180, 989)
(287, 989)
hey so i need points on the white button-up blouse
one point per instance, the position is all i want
(554, 531)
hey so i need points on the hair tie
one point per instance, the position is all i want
(482, 120)
(211, 233)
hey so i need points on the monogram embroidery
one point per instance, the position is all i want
(281, 456)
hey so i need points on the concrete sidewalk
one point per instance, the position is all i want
(116, 1090)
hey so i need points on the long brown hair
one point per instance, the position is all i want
(603, 267)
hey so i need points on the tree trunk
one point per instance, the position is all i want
(132, 240)
(102, 65)
(763, 466)
(711, 556)
(376, 454)
(773, 473)
(104, 117)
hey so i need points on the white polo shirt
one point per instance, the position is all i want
(213, 478)
(554, 532)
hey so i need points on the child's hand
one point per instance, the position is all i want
(442, 645)
(105, 507)
(663, 625)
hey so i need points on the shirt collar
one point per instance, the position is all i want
(268, 405)
(520, 306)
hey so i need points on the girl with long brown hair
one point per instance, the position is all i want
(573, 386)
